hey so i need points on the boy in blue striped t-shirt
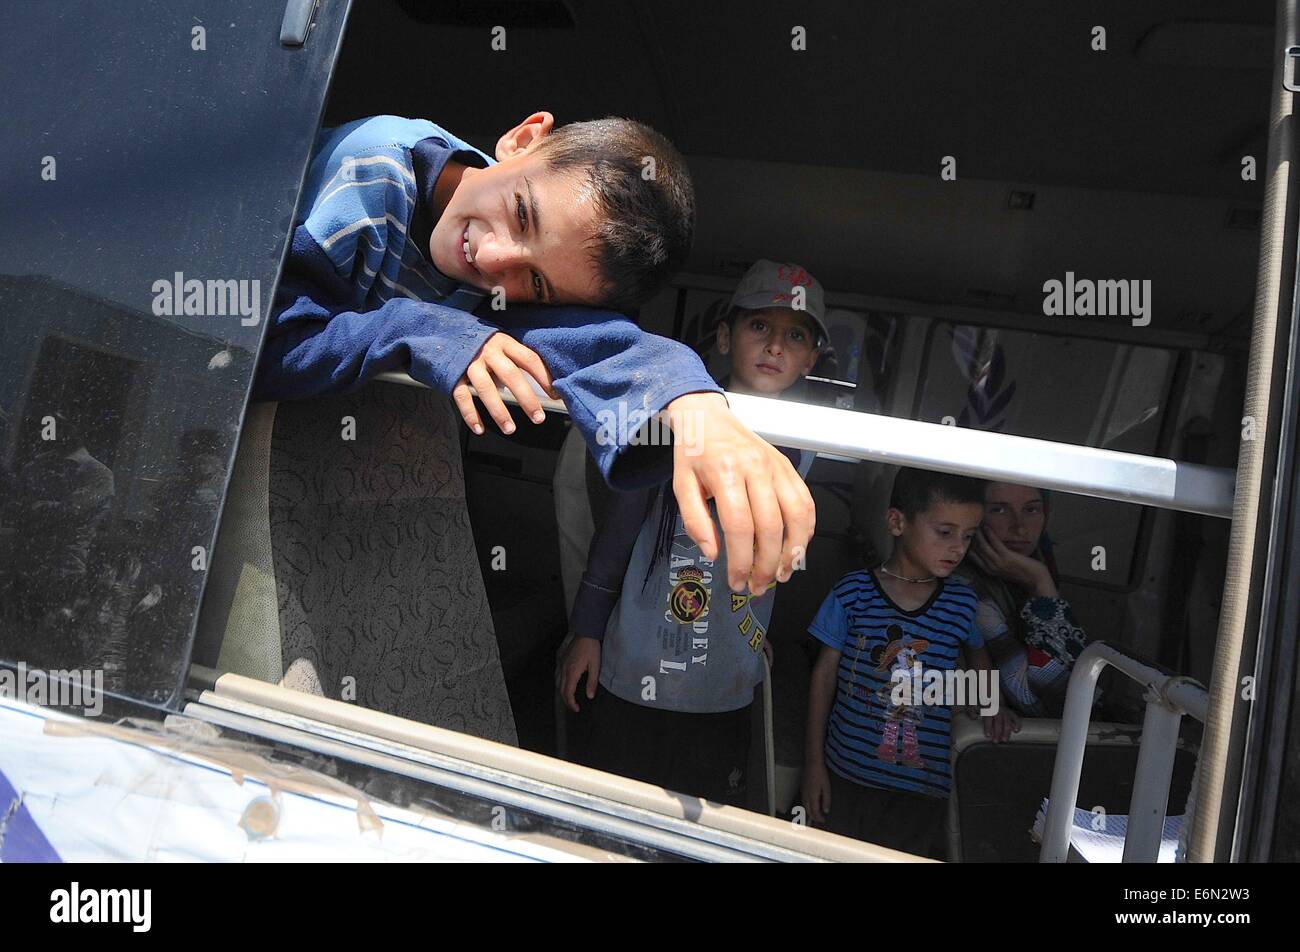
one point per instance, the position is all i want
(885, 682)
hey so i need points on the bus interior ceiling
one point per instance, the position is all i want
(1122, 164)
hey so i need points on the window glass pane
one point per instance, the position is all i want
(1069, 390)
(152, 157)
(1066, 389)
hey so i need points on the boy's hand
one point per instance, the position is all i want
(816, 793)
(582, 657)
(766, 511)
(500, 363)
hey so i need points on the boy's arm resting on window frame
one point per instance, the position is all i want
(606, 368)
(312, 350)
(607, 562)
(611, 374)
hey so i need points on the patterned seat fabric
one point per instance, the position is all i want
(378, 593)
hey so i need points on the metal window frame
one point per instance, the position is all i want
(1266, 754)
(1214, 833)
(614, 806)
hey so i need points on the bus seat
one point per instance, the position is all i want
(517, 539)
(998, 788)
(345, 563)
(572, 513)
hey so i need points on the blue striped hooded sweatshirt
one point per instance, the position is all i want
(358, 298)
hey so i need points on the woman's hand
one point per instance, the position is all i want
(501, 363)
(991, 554)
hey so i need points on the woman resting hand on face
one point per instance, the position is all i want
(1028, 627)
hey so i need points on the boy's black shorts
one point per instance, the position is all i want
(898, 819)
(701, 755)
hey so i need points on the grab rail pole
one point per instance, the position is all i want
(1068, 467)
(1168, 698)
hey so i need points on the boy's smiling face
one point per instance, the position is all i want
(770, 349)
(518, 225)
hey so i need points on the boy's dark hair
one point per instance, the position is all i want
(916, 490)
(647, 210)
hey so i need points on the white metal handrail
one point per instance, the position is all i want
(1168, 698)
(1104, 474)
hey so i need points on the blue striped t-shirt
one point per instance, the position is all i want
(870, 739)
